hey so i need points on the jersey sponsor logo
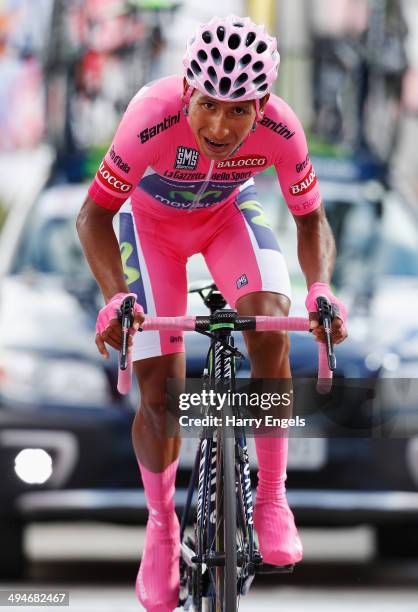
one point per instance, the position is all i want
(185, 176)
(176, 339)
(279, 128)
(231, 176)
(253, 161)
(113, 181)
(187, 199)
(116, 159)
(305, 185)
(186, 158)
(259, 224)
(181, 194)
(131, 273)
(303, 164)
(182, 205)
(156, 129)
(306, 206)
(189, 196)
(242, 281)
(130, 260)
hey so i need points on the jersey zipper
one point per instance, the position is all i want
(203, 187)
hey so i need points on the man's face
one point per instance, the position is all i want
(219, 127)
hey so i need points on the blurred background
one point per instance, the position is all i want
(72, 508)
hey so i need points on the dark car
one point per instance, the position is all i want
(65, 449)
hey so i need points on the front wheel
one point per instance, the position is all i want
(230, 525)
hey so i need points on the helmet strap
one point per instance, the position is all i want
(186, 99)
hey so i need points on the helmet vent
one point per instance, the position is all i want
(203, 56)
(238, 93)
(234, 41)
(261, 47)
(190, 74)
(245, 60)
(229, 63)
(241, 79)
(210, 88)
(215, 53)
(207, 37)
(195, 67)
(263, 87)
(257, 66)
(220, 33)
(212, 74)
(238, 25)
(250, 39)
(224, 85)
(260, 79)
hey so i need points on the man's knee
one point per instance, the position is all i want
(270, 342)
(263, 303)
(154, 413)
(153, 375)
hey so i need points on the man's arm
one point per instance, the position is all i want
(316, 252)
(316, 246)
(101, 249)
(112, 186)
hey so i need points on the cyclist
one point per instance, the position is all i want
(185, 154)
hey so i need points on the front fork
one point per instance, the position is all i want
(221, 370)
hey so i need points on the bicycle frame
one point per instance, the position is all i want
(208, 475)
(221, 468)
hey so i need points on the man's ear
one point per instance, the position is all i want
(185, 86)
(264, 101)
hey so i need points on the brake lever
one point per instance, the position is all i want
(126, 318)
(326, 316)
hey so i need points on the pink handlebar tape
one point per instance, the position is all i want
(281, 323)
(125, 377)
(169, 323)
(262, 324)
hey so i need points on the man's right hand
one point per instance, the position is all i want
(108, 327)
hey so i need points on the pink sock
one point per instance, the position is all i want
(274, 522)
(272, 462)
(157, 583)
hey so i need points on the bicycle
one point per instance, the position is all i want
(219, 562)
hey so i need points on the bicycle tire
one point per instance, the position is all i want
(223, 578)
(230, 524)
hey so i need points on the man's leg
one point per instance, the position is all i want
(156, 269)
(157, 454)
(269, 354)
(249, 268)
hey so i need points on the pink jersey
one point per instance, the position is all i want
(154, 158)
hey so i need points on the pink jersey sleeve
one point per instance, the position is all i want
(128, 156)
(295, 172)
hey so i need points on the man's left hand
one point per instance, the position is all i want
(338, 327)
